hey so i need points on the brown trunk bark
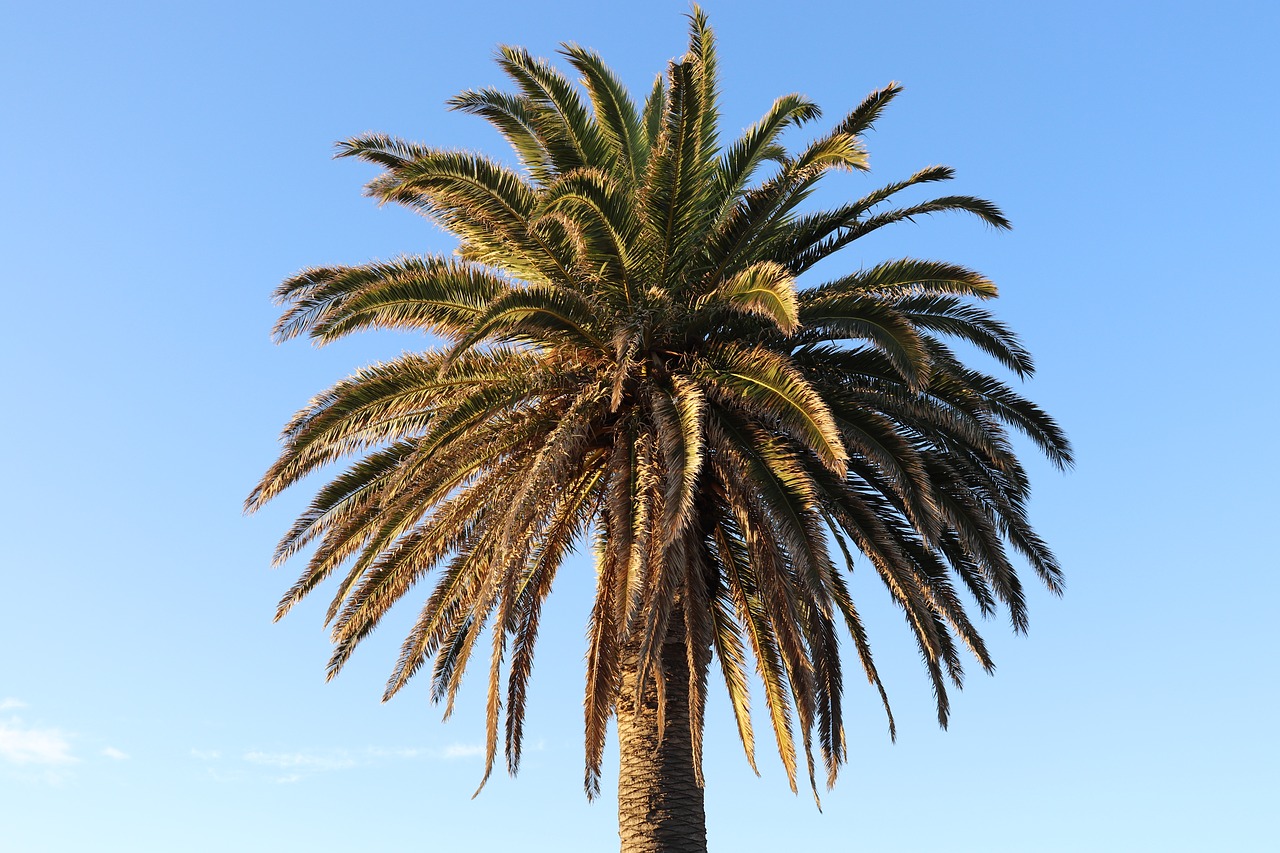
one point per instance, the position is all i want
(660, 807)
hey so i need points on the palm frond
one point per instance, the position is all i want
(570, 135)
(759, 144)
(864, 116)
(516, 119)
(615, 112)
(764, 289)
(760, 383)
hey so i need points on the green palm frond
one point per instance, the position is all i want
(655, 107)
(675, 186)
(864, 116)
(539, 315)
(760, 144)
(615, 112)
(571, 136)
(516, 119)
(764, 289)
(436, 295)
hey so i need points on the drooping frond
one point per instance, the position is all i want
(762, 383)
(517, 119)
(764, 289)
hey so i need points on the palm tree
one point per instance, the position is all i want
(629, 362)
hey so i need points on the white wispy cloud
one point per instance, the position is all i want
(112, 752)
(11, 704)
(297, 765)
(286, 767)
(374, 752)
(21, 744)
(302, 764)
(463, 750)
(302, 761)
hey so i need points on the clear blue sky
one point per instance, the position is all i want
(163, 167)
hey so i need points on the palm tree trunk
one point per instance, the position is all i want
(660, 807)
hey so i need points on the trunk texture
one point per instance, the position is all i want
(660, 806)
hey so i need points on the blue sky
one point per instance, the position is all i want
(165, 165)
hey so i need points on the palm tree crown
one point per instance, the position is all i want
(629, 362)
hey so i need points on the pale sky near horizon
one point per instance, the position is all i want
(164, 166)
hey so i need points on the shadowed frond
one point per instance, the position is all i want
(865, 114)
